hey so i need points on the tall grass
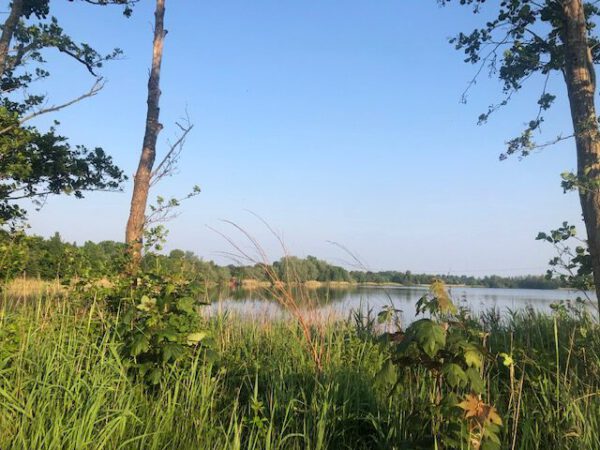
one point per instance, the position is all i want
(64, 385)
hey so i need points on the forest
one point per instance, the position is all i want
(49, 259)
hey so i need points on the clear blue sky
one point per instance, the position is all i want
(335, 121)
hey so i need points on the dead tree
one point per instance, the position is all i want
(141, 184)
(147, 175)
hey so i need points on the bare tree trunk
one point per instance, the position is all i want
(8, 31)
(580, 78)
(141, 184)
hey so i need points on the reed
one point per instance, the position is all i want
(64, 385)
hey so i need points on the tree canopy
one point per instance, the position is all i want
(36, 163)
(524, 39)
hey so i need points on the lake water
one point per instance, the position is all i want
(340, 303)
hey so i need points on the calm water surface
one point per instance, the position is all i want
(342, 302)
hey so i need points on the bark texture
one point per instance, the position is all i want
(141, 184)
(580, 78)
(16, 10)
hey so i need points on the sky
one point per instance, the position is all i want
(333, 121)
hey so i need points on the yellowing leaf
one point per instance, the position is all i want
(493, 416)
(507, 359)
(471, 405)
(438, 289)
(473, 358)
(194, 338)
(146, 304)
(477, 409)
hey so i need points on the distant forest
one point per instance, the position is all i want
(35, 256)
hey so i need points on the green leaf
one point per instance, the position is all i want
(171, 352)
(455, 375)
(154, 376)
(169, 289)
(186, 304)
(387, 374)
(475, 380)
(211, 356)
(146, 304)
(140, 344)
(169, 334)
(385, 315)
(489, 444)
(430, 336)
(473, 357)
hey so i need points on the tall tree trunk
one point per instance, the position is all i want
(141, 184)
(8, 30)
(580, 78)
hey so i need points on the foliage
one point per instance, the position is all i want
(158, 322)
(409, 278)
(291, 268)
(522, 39)
(34, 163)
(45, 164)
(35, 257)
(573, 267)
(65, 386)
(52, 258)
(449, 347)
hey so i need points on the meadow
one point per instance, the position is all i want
(65, 383)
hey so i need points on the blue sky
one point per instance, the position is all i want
(334, 121)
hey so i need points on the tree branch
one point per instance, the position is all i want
(167, 165)
(97, 87)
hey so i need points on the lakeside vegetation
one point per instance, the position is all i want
(65, 383)
(114, 345)
(52, 258)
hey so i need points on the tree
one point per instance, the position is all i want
(146, 175)
(35, 164)
(141, 184)
(528, 38)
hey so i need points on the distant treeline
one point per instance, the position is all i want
(34, 256)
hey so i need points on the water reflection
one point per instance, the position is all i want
(341, 302)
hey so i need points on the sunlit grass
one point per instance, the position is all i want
(23, 288)
(64, 385)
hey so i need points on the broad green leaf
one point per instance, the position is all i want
(210, 355)
(169, 289)
(194, 338)
(385, 315)
(140, 344)
(172, 352)
(154, 376)
(186, 304)
(430, 336)
(145, 367)
(473, 357)
(387, 374)
(475, 380)
(455, 375)
(169, 334)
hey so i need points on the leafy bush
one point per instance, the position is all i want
(158, 322)
(448, 346)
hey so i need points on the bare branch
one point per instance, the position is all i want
(97, 87)
(168, 164)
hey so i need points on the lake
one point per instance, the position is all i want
(341, 302)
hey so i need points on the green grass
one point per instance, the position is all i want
(64, 385)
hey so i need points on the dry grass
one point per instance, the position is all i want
(255, 284)
(22, 289)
